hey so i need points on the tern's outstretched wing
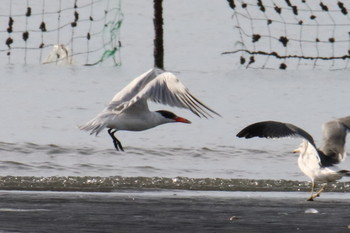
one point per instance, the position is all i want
(166, 89)
(134, 88)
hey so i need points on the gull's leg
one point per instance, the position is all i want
(320, 191)
(116, 142)
(311, 198)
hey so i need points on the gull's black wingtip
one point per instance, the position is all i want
(258, 129)
(243, 134)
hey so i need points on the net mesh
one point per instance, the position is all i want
(84, 32)
(291, 34)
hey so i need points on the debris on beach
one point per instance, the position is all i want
(311, 211)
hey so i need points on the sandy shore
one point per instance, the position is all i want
(172, 211)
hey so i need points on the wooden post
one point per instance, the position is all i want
(158, 52)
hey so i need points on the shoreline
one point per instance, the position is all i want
(115, 183)
(172, 211)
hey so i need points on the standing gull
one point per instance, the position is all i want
(129, 110)
(316, 163)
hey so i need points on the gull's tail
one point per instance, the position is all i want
(97, 124)
(344, 172)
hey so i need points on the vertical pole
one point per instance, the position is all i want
(158, 52)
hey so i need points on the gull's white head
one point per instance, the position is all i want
(305, 148)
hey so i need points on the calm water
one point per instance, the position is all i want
(42, 105)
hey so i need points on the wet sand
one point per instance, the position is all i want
(172, 211)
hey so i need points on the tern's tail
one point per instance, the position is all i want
(97, 124)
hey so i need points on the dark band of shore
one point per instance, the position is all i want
(114, 183)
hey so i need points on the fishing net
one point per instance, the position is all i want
(83, 32)
(291, 34)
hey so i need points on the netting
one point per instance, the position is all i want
(83, 32)
(291, 34)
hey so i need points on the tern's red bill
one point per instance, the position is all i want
(183, 120)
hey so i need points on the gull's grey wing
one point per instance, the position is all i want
(167, 89)
(334, 136)
(274, 129)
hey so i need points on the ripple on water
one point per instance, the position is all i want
(220, 161)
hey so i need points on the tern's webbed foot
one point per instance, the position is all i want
(116, 142)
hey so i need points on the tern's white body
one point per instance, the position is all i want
(133, 121)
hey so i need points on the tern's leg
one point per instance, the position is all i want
(311, 198)
(116, 142)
